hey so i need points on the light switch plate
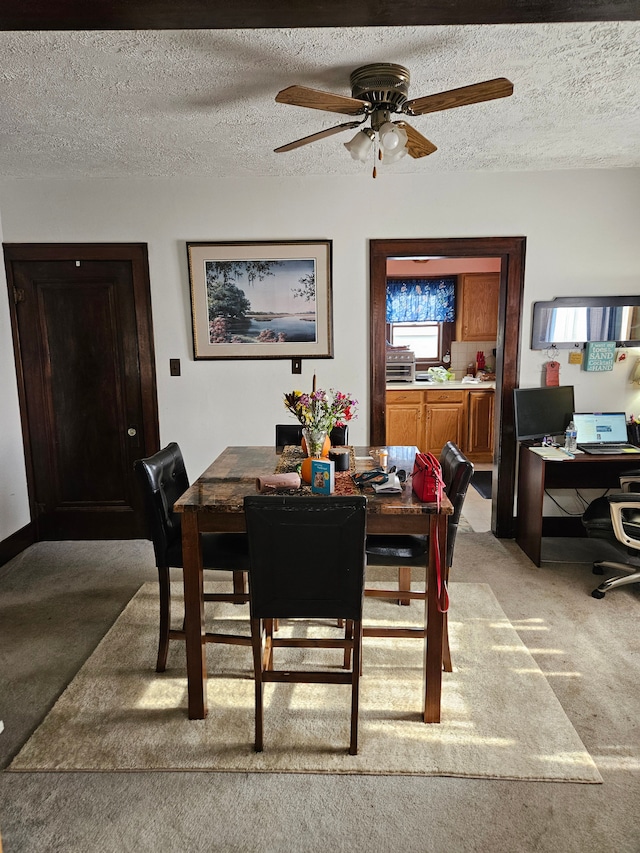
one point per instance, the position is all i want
(174, 366)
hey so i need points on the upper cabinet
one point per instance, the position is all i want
(477, 307)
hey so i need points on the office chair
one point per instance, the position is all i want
(406, 551)
(616, 518)
(307, 562)
(162, 479)
(292, 434)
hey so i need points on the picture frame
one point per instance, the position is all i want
(254, 300)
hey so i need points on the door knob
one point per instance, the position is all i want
(132, 431)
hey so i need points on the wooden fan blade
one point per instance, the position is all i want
(417, 144)
(315, 99)
(322, 134)
(474, 94)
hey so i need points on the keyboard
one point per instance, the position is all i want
(608, 449)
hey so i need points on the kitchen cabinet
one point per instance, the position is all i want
(477, 307)
(430, 418)
(404, 418)
(445, 419)
(479, 444)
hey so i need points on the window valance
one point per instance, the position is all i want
(421, 300)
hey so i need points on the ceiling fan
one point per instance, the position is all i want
(378, 92)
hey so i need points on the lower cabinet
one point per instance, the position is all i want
(404, 421)
(445, 413)
(430, 418)
(479, 446)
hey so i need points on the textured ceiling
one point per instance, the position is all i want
(201, 102)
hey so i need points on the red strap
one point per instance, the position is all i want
(441, 584)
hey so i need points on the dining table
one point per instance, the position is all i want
(215, 503)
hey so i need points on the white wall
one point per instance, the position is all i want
(582, 238)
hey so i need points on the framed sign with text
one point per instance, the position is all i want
(599, 356)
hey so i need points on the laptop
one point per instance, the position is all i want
(603, 432)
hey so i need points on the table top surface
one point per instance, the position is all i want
(232, 476)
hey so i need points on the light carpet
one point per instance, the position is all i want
(500, 718)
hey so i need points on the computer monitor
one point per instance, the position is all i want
(542, 411)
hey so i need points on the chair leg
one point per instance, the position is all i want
(355, 686)
(165, 618)
(618, 580)
(240, 583)
(404, 583)
(256, 642)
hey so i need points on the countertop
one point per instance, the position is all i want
(435, 386)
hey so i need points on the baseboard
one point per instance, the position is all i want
(17, 542)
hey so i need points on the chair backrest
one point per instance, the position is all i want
(292, 434)
(339, 435)
(288, 434)
(457, 471)
(162, 479)
(307, 556)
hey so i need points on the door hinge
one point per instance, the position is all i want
(18, 295)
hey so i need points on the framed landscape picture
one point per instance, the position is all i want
(261, 300)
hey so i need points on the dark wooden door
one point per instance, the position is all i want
(84, 351)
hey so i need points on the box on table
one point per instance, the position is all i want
(323, 478)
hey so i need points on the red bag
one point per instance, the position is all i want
(428, 486)
(427, 479)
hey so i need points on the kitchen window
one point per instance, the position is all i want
(428, 341)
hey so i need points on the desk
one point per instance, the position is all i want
(536, 474)
(215, 503)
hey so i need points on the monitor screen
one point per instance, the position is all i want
(542, 411)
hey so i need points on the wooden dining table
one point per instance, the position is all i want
(215, 503)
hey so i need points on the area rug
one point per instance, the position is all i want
(481, 482)
(500, 718)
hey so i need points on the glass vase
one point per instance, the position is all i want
(315, 439)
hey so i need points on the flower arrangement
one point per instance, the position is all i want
(321, 410)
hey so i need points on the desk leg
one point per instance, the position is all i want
(194, 616)
(434, 621)
(530, 511)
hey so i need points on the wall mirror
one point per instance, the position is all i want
(567, 321)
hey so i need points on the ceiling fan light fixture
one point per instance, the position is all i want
(360, 146)
(389, 157)
(392, 138)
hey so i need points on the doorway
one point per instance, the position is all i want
(83, 343)
(511, 251)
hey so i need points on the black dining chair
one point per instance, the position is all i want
(307, 562)
(406, 551)
(162, 479)
(292, 434)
